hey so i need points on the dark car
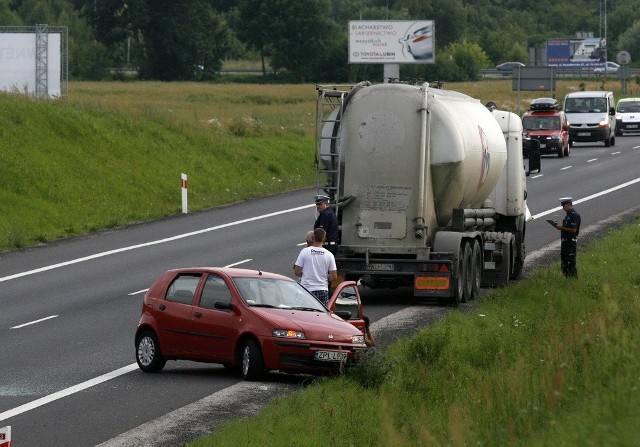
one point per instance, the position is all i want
(247, 320)
(547, 124)
(508, 67)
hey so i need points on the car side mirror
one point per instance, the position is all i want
(612, 111)
(344, 314)
(223, 306)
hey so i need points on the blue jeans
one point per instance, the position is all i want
(321, 295)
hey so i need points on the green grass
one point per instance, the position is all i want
(74, 166)
(548, 361)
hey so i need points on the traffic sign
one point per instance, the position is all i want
(623, 57)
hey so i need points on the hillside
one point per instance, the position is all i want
(83, 164)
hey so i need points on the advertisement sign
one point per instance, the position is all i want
(576, 53)
(391, 42)
(18, 63)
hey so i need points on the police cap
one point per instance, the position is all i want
(565, 200)
(321, 198)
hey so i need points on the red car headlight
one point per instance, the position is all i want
(288, 333)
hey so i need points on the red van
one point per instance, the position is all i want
(545, 122)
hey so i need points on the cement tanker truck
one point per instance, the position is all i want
(428, 185)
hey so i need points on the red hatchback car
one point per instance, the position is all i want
(249, 320)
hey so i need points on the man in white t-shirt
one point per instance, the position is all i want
(316, 267)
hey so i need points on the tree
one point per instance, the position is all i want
(8, 17)
(630, 40)
(256, 27)
(182, 40)
(461, 61)
(450, 17)
(306, 41)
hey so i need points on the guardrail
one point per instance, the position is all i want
(560, 73)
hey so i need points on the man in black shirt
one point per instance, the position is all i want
(569, 237)
(328, 221)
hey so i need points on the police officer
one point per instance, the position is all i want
(328, 221)
(569, 237)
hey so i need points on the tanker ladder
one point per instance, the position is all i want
(329, 108)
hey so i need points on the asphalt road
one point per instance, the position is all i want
(68, 310)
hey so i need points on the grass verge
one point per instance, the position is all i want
(548, 361)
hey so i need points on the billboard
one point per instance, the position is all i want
(391, 42)
(18, 63)
(576, 53)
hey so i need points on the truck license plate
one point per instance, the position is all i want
(380, 267)
(331, 356)
(584, 134)
(632, 126)
(542, 146)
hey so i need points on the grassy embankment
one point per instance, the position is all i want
(544, 362)
(111, 154)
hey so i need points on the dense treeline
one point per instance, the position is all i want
(306, 40)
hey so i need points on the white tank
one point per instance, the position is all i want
(380, 142)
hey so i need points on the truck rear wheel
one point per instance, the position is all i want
(467, 271)
(458, 278)
(476, 268)
(517, 256)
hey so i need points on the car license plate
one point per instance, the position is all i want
(331, 356)
(542, 146)
(380, 267)
(632, 126)
(584, 134)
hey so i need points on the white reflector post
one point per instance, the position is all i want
(5, 436)
(183, 183)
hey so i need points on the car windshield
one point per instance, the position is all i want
(585, 105)
(629, 107)
(541, 122)
(276, 293)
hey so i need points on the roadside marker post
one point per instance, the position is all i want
(183, 183)
(5, 436)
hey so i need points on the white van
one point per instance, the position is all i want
(592, 117)
(628, 116)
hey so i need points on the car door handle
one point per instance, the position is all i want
(162, 307)
(197, 314)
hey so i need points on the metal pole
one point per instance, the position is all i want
(606, 43)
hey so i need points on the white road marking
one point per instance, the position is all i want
(138, 292)
(592, 196)
(66, 392)
(239, 262)
(615, 153)
(593, 159)
(533, 176)
(34, 322)
(566, 167)
(148, 244)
